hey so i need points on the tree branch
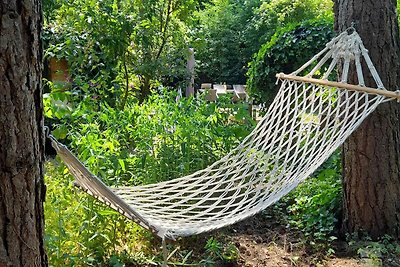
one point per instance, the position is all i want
(164, 31)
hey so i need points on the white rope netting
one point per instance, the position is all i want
(303, 126)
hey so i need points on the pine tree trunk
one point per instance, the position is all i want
(371, 156)
(21, 139)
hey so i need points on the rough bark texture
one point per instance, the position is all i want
(21, 139)
(371, 156)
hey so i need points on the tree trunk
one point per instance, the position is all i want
(371, 156)
(144, 89)
(190, 69)
(21, 136)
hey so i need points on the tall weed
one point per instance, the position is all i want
(163, 138)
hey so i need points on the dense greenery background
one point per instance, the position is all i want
(122, 114)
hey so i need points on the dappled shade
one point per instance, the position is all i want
(304, 125)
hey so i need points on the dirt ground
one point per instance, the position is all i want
(262, 242)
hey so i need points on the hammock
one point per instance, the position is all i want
(308, 120)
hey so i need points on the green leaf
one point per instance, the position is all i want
(107, 212)
(122, 163)
(60, 132)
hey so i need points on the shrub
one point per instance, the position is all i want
(229, 32)
(288, 49)
(315, 206)
(158, 140)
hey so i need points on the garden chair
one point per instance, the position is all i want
(221, 89)
(240, 92)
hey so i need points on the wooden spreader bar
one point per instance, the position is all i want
(351, 87)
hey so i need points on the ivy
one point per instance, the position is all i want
(288, 49)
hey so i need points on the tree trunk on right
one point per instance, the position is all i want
(371, 156)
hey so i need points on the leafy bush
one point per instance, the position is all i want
(278, 13)
(125, 48)
(314, 207)
(225, 39)
(162, 139)
(288, 49)
(81, 232)
(93, 36)
(229, 32)
(159, 140)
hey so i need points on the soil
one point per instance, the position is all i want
(264, 242)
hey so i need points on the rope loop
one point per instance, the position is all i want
(46, 131)
(351, 29)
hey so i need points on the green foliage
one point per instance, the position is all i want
(314, 207)
(159, 140)
(162, 139)
(218, 252)
(386, 248)
(288, 49)
(93, 36)
(125, 47)
(231, 31)
(121, 51)
(79, 231)
(225, 39)
(279, 13)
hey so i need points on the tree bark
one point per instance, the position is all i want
(21, 135)
(190, 69)
(371, 156)
(144, 88)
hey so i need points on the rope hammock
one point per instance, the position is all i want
(308, 120)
